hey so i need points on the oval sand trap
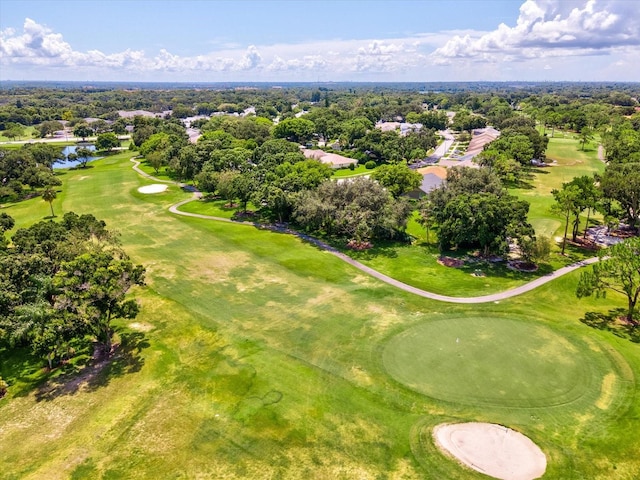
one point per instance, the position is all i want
(492, 449)
(154, 188)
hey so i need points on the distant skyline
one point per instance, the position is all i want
(297, 41)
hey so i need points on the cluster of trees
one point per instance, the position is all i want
(622, 141)
(431, 119)
(390, 147)
(397, 178)
(14, 130)
(252, 129)
(359, 210)
(237, 159)
(511, 153)
(61, 286)
(28, 170)
(576, 196)
(49, 127)
(615, 193)
(472, 209)
(467, 121)
(618, 269)
(571, 113)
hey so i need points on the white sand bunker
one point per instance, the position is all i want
(154, 188)
(491, 449)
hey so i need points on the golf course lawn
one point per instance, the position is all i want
(567, 161)
(538, 368)
(257, 355)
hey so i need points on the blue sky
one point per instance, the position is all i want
(420, 40)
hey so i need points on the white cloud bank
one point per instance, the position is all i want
(552, 28)
(38, 45)
(550, 36)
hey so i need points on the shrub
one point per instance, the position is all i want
(370, 165)
(352, 166)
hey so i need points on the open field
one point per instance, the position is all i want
(257, 355)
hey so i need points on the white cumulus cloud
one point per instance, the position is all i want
(552, 28)
(39, 45)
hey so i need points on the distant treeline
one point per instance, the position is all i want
(30, 103)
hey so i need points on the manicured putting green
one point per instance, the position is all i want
(490, 361)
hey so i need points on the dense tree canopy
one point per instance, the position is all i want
(294, 129)
(27, 170)
(62, 285)
(397, 178)
(107, 141)
(618, 269)
(621, 182)
(472, 209)
(360, 210)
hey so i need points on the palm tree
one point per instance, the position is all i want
(49, 195)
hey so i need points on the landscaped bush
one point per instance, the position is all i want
(370, 165)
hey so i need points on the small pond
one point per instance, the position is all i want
(72, 149)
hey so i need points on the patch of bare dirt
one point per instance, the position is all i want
(359, 245)
(69, 384)
(522, 266)
(451, 262)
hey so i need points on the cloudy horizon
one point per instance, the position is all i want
(532, 40)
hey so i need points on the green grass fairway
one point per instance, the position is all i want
(494, 361)
(569, 162)
(259, 356)
(215, 208)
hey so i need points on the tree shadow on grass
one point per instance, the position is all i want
(611, 322)
(525, 182)
(379, 249)
(81, 167)
(576, 252)
(100, 370)
(21, 370)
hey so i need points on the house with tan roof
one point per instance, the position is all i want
(480, 138)
(332, 159)
(432, 178)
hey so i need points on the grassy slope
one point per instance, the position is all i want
(570, 162)
(257, 356)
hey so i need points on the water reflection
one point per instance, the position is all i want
(72, 149)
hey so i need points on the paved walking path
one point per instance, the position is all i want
(495, 297)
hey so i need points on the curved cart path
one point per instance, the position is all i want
(495, 297)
